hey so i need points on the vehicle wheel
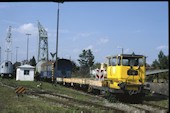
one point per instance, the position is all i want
(2, 75)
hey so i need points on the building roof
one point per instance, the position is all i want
(26, 66)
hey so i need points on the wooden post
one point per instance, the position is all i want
(52, 72)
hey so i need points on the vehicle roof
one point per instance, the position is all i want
(125, 55)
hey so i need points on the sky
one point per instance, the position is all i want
(103, 27)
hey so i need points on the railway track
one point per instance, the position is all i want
(146, 108)
(87, 106)
(155, 106)
(84, 105)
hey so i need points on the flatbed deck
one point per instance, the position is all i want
(81, 81)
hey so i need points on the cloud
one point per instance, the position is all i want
(74, 38)
(119, 47)
(162, 47)
(127, 51)
(80, 35)
(96, 50)
(83, 34)
(76, 50)
(27, 28)
(103, 40)
(137, 31)
(64, 31)
(89, 47)
(10, 22)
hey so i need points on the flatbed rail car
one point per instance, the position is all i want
(125, 75)
(88, 83)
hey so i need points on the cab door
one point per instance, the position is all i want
(111, 69)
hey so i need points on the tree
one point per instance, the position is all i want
(96, 65)
(86, 58)
(162, 62)
(33, 61)
(155, 64)
(83, 59)
(75, 68)
(86, 61)
(90, 57)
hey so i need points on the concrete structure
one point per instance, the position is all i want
(25, 73)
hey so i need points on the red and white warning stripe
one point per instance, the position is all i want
(100, 74)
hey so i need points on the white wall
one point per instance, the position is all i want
(20, 75)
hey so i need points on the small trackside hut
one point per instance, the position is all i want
(25, 73)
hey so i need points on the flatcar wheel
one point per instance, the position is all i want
(10, 75)
(2, 75)
(90, 89)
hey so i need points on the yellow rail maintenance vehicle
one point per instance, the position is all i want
(125, 73)
(122, 76)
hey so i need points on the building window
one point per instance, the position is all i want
(6, 64)
(26, 72)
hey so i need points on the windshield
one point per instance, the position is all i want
(129, 61)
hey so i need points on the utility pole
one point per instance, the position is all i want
(56, 66)
(16, 53)
(27, 44)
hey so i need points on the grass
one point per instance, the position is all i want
(49, 87)
(10, 103)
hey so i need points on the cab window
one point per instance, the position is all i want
(141, 62)
(113, 62)
(132, 61)
(125, 62)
